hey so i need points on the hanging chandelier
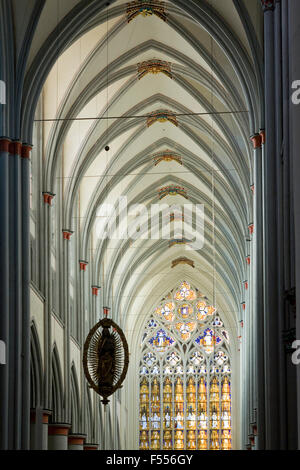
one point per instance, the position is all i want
(105, 357)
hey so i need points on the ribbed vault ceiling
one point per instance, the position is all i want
(212, 50)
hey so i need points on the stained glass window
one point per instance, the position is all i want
(185, 376)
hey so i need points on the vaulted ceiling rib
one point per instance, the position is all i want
(212, 87)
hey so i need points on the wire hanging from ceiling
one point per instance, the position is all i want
(106, 148)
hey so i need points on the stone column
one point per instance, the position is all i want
(258, 141)
(4, 290)
(76, 441)
(95, 291)
(14, 290)
(83, 265)
(250, 309)
(47, 197)
(289, 172)
(245, 346)
(25, 211)
(66, 308)
(45, 430)
(270, 203)
(58, 436)
(32, 429)
(15, 299)
(281, 208)
(294, 115)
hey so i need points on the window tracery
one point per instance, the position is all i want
(185, 376)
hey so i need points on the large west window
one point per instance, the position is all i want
(185, 384)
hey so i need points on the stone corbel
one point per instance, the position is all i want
(95, 290)
(48, 196)
(83, 264)
(67, 234)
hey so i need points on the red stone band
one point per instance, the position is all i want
(90, 447)
(76, 441)
(268, 5)
(58, 430)
(83, 265)
(48, 197)
(95, 290)
(256, 141)
(15, 148)
(67, 234)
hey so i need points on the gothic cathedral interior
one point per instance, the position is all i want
(149, 174)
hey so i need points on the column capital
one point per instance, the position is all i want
(25, 151)
(67, 234)
(45, 415)
(268, 5)
(254, 428)
(251, 228)
(59, 429)
(83, 264)
(48, 196)
(4, 144)
(256, 141)
(15, 147)
(95, 290)
(32, 415)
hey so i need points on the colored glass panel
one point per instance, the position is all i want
(161, 341)
(208, 340)
(185, 389)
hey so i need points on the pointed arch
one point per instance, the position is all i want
(185, 375)
(75, 401)
(57, 387)
(36, 369)
(90, 421)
